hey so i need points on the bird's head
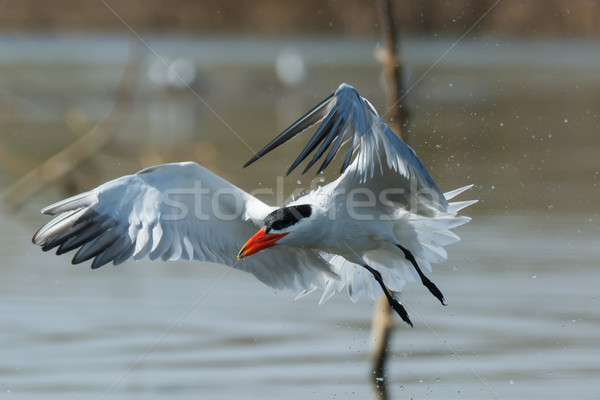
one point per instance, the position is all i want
(280, 223)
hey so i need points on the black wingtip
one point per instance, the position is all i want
(306, 169)
(250, 161)
(312, 117)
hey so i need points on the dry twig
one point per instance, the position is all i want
(381, 327)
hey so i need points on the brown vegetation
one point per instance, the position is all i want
(514, 17)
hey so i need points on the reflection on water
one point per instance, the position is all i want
(518, 119)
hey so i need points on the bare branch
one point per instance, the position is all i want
(381, 327)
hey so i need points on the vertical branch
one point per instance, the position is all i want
(392, 66)
(381, 330)
(381, 327)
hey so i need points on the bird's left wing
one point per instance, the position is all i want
(174, 211)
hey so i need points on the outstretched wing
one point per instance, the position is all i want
(174, 211)
(381, 156)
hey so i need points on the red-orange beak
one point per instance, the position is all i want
(260, 241)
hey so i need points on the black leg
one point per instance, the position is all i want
(426, 282)
(391, 300)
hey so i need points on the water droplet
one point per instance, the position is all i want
(501, 124)
(533, 276)
(566, 120)
(298, 181)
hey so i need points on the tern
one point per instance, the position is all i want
(381, 223)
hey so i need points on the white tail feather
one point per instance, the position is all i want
(453, 193)
(424, 237)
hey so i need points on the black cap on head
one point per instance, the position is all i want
(287, 216)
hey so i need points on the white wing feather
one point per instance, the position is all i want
(175, 211)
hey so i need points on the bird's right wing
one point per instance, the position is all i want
(380, 157)
(175, 211)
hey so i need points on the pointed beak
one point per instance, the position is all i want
(260, 241)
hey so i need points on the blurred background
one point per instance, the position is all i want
(502, 94)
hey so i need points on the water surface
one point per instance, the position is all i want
(517, 118)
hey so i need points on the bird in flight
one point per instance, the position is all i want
(381, 223)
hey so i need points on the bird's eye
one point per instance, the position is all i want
(287, 216)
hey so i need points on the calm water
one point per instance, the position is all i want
(517, 118)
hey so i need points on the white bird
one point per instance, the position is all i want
(383, 220)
